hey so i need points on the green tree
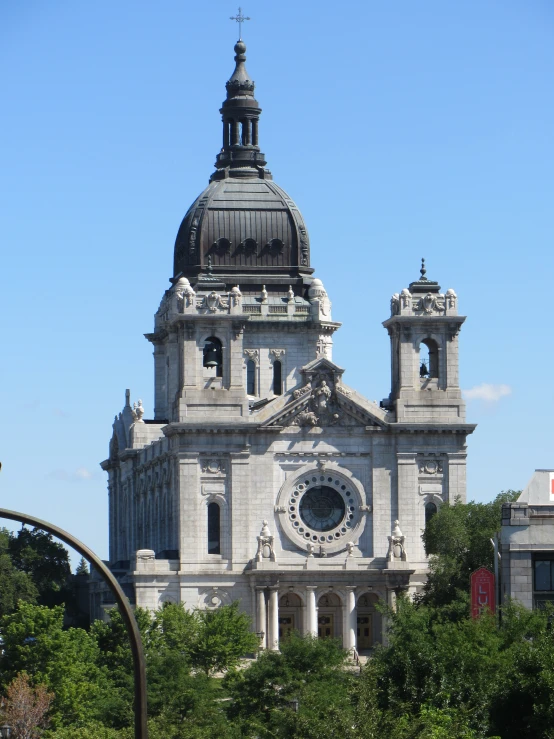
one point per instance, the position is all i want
(82, 567)
(14, 584)
(223, 638)
(66, 661)
(115, 657)
(46, 561)
(458, 540)
(306, 674)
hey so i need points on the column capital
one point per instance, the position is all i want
(350, 588)
(311, 587)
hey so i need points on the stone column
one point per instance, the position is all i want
(311, 611)
(190, 508)
(349, 618)
(261, 616)
(456, 475)
(160, 381)
(409, 509)
(273, 620)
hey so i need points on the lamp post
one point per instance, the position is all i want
(139, 664)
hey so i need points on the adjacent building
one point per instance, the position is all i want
(527, 543)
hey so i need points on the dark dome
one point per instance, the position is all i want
(243, 224)
(247, 226)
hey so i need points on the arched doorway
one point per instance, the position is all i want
(290, 615)
(368, 627)
(329, 616)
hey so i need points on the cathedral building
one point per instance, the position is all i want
(262, 476)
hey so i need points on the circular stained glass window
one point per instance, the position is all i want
(322, 508)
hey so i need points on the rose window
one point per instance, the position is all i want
(321, 508)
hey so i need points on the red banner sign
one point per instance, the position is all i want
(483, 592)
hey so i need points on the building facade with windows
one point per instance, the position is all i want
(527, 543)
(262, 476)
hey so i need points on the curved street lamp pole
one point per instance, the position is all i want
(141, 729)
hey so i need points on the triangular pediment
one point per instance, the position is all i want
(323, 401)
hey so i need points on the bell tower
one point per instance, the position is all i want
(423, 329)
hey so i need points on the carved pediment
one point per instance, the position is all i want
(322, 402)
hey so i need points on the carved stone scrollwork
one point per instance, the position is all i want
(430, 467)
(430, 304)
(277, 353)
(254, 355)
(238, 328)
(192, 235)
(453, 331)
(301, 391)
(213, 467)
(213, 598)
(306, 418)
(304, 249)
(212, 301)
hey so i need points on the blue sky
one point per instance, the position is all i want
(401, 130)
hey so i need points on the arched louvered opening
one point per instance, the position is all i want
(213, 356)
(428, 359)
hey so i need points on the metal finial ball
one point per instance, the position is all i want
(240, 47)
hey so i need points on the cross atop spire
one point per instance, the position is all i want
(239, 18)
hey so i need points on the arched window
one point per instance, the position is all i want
(214, 529)
(251, 377)
(428, 359)
(430, 511)
(213, 356)
(277, 378)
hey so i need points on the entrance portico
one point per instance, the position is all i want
(327, 610)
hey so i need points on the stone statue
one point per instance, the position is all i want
(265, 545)
(138, 412)
(322, 396)
(397, 550)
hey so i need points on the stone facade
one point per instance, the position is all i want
(262, 476)
(527, 543)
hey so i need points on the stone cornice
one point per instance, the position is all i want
(424, 320)
(434, 428)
